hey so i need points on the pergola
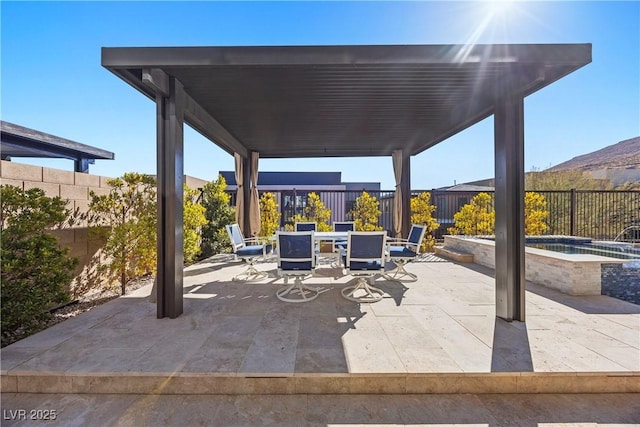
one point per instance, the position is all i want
(343, 101)
(19, 141)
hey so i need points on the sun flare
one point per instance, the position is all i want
(499, 7)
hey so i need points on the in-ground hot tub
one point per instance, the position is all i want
(570, 273)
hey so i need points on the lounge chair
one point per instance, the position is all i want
(249, 250)
(364, 258)
(403, 251)
(297, 259)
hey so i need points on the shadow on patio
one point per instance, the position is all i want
(427, 336)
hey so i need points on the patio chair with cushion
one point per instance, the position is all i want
(341, 245)
(364, 259)
(249, 250)
(306, 226)
(297, 259)
(403, 251)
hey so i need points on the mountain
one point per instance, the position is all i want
(623, 155)
(618, 163)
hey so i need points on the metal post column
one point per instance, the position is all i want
(405, 185)
(246, 191)
(170, 178)
(509, 205)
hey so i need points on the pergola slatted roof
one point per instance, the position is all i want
(324, 101)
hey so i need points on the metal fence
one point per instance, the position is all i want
(601, 215)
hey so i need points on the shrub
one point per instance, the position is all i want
(366, 212)
(35, 270)
(129, 214)
(535, 214)
(269, 215)
(421, 213)
(314, 211)
(476, 217)
(193, 220)
(218, 213)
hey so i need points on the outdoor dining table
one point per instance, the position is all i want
(319, 236)
(322, 236)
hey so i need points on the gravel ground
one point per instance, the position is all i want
(80, 306)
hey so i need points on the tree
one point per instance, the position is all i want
(535, 214)
(193, 220)
(218, 214)
(35, 271)
(366, 212)
(269, 215)
(476, 217)
(315, 211)
(129, 214)
(421, 213)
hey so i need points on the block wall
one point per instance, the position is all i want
(74, 187)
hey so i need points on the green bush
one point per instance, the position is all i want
(129, 214)
(35, 270)
(218, 213)
(127, 219)
(193, 220)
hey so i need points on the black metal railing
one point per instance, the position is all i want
(601, 215)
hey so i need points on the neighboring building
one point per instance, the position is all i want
(19, 141)
(291, 190)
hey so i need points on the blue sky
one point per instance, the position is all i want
(52, 80)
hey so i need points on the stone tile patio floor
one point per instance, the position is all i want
(443, 323)
(437, 335)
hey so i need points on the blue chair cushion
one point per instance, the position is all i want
(401, 252)
(253, 250)
(364, 266)
(295, 265)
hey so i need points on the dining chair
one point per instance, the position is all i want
(297, 259)
(306, 226)
(403, 251)
(248, 249)
(364, 258)
(341, 244)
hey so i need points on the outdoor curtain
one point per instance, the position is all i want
(254, 201)
(239, 191)
(396, 156)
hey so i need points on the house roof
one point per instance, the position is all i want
(324, 101)
(290, 178)
(19, 141)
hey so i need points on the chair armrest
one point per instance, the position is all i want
(253, 240)
(397, 240)
(402, 242)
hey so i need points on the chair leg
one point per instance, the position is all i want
(400, 274)
(371, 293)
(251, 274)
(306, 293)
